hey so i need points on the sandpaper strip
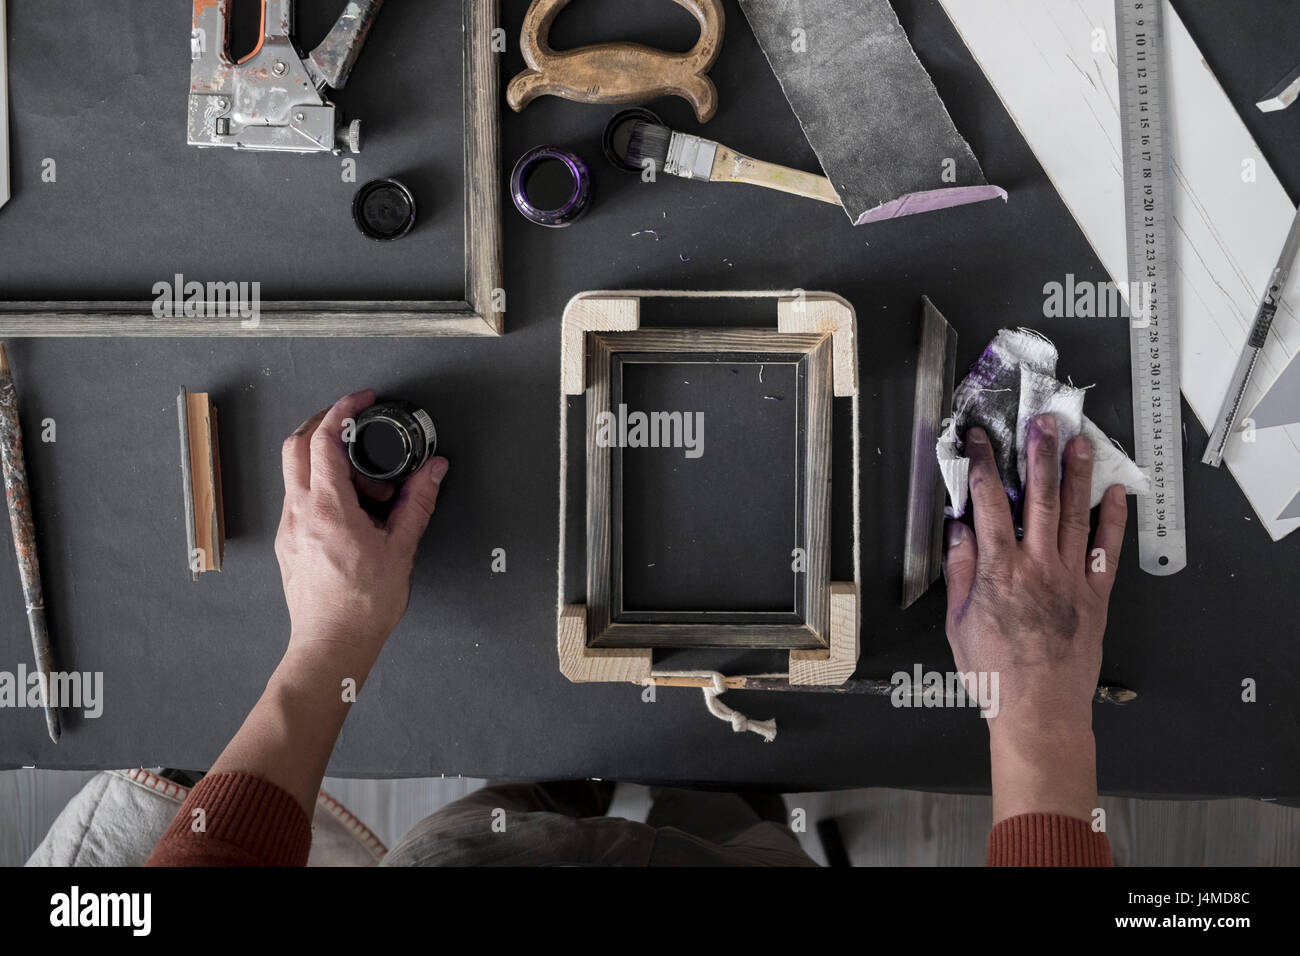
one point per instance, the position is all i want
(868, 107)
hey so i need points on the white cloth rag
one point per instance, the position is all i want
(1013, 381)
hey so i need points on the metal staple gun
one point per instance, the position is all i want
(272, 99)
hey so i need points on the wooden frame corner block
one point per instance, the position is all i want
(582, 664)
(836, 664)
(825, 314)
(591, 313)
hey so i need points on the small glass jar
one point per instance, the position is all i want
(391, 441)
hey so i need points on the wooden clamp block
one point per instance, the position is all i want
(205, 523)
(598, 642)
(836, 664)
(618, 72)
(582, 664)
(828, 314)
(591, 313)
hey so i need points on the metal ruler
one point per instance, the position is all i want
(1153, 325)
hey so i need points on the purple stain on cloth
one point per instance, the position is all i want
(1011, 383)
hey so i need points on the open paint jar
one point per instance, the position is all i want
(618, 132)
(392, 440)
(551, 186)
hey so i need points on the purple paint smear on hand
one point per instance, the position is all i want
(930, 200)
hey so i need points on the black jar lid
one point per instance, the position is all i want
(384, 210)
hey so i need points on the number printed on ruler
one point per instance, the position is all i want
(1153, 339)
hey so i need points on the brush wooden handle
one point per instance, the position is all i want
(730, 166)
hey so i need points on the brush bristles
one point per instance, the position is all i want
(4, 360)
(647, 143)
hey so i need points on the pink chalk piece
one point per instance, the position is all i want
(930, 200)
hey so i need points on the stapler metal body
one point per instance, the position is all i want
(273, 98)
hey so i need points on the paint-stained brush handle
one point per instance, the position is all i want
(18, 499)
(730, 166)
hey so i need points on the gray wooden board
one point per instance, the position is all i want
(4, 107)
(469, 684)
(100, 89)
(865, 101)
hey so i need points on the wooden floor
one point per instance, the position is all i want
(879, 827)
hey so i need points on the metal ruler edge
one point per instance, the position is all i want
(1153, 322)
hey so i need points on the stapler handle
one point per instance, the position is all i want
(332, 61)
(277, 22)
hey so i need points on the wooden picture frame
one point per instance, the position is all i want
(480, 312)
(598, 640)
(608, 624)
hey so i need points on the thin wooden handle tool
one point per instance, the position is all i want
(18, 498)
(730, 166)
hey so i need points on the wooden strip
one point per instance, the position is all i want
(932, 400)
(205, 525)
(599, 497)
(772, 636)
(1231, 211)
(817, 492)
(206, 479)
(219, 501)
(483, 243)
(187, 481)
(4, 108)
(314, 319)
(710, 340)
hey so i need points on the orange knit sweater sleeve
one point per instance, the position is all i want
(1047, 839)
(235, 819)
(247, 821)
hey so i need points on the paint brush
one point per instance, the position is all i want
(655, 147)
(19, 501)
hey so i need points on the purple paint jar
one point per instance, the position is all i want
(551, 186)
